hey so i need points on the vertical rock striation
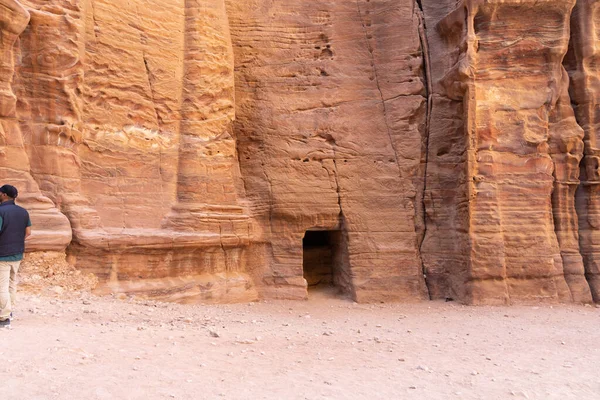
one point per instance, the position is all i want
(509, 166)
(581, 63)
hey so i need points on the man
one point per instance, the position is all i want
(15, 226)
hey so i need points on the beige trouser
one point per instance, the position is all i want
(8, 287)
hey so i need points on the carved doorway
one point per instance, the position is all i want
(325, 262)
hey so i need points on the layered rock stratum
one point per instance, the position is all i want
(227, 150)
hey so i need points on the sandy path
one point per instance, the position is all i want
(101, 348)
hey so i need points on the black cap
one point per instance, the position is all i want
(10, 191)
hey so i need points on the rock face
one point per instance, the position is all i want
(54, 231)
(129, 128)
(331, 115)
(585, 92)
(501, 186)
(226, 150)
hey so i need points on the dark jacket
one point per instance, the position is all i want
(12, 233)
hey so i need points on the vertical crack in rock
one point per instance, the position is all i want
(271, 206)
(160, 173)
(337, 183)
(376, 76)
(404, 130)
(421, 228)
(238, 156)
(149, 79)
(95, 24)
(337, 188)
(143, 43)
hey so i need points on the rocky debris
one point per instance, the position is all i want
(51, 274)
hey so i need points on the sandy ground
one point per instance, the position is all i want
(86, 347)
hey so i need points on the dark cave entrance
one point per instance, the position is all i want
(325, 262)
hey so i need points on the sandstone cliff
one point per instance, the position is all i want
(224, 150)
(504, 154)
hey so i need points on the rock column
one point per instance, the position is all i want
(207, 196)
(508, 75)
(584, 71)
(51, 229)
(51, 90)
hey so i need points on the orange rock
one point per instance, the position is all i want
(585, 90)
(224, 150)
(510, 166)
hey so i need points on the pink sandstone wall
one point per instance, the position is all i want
(181, 149)
(331, 115)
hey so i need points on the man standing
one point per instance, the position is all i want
(15, 226)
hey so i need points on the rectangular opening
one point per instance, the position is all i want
(325, 262)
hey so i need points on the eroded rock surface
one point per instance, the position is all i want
(585, 91)
(330, 125)
(514, 165)
(224, 150)
(54, 231)
(127, 122)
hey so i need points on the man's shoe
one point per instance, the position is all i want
(5, 323)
